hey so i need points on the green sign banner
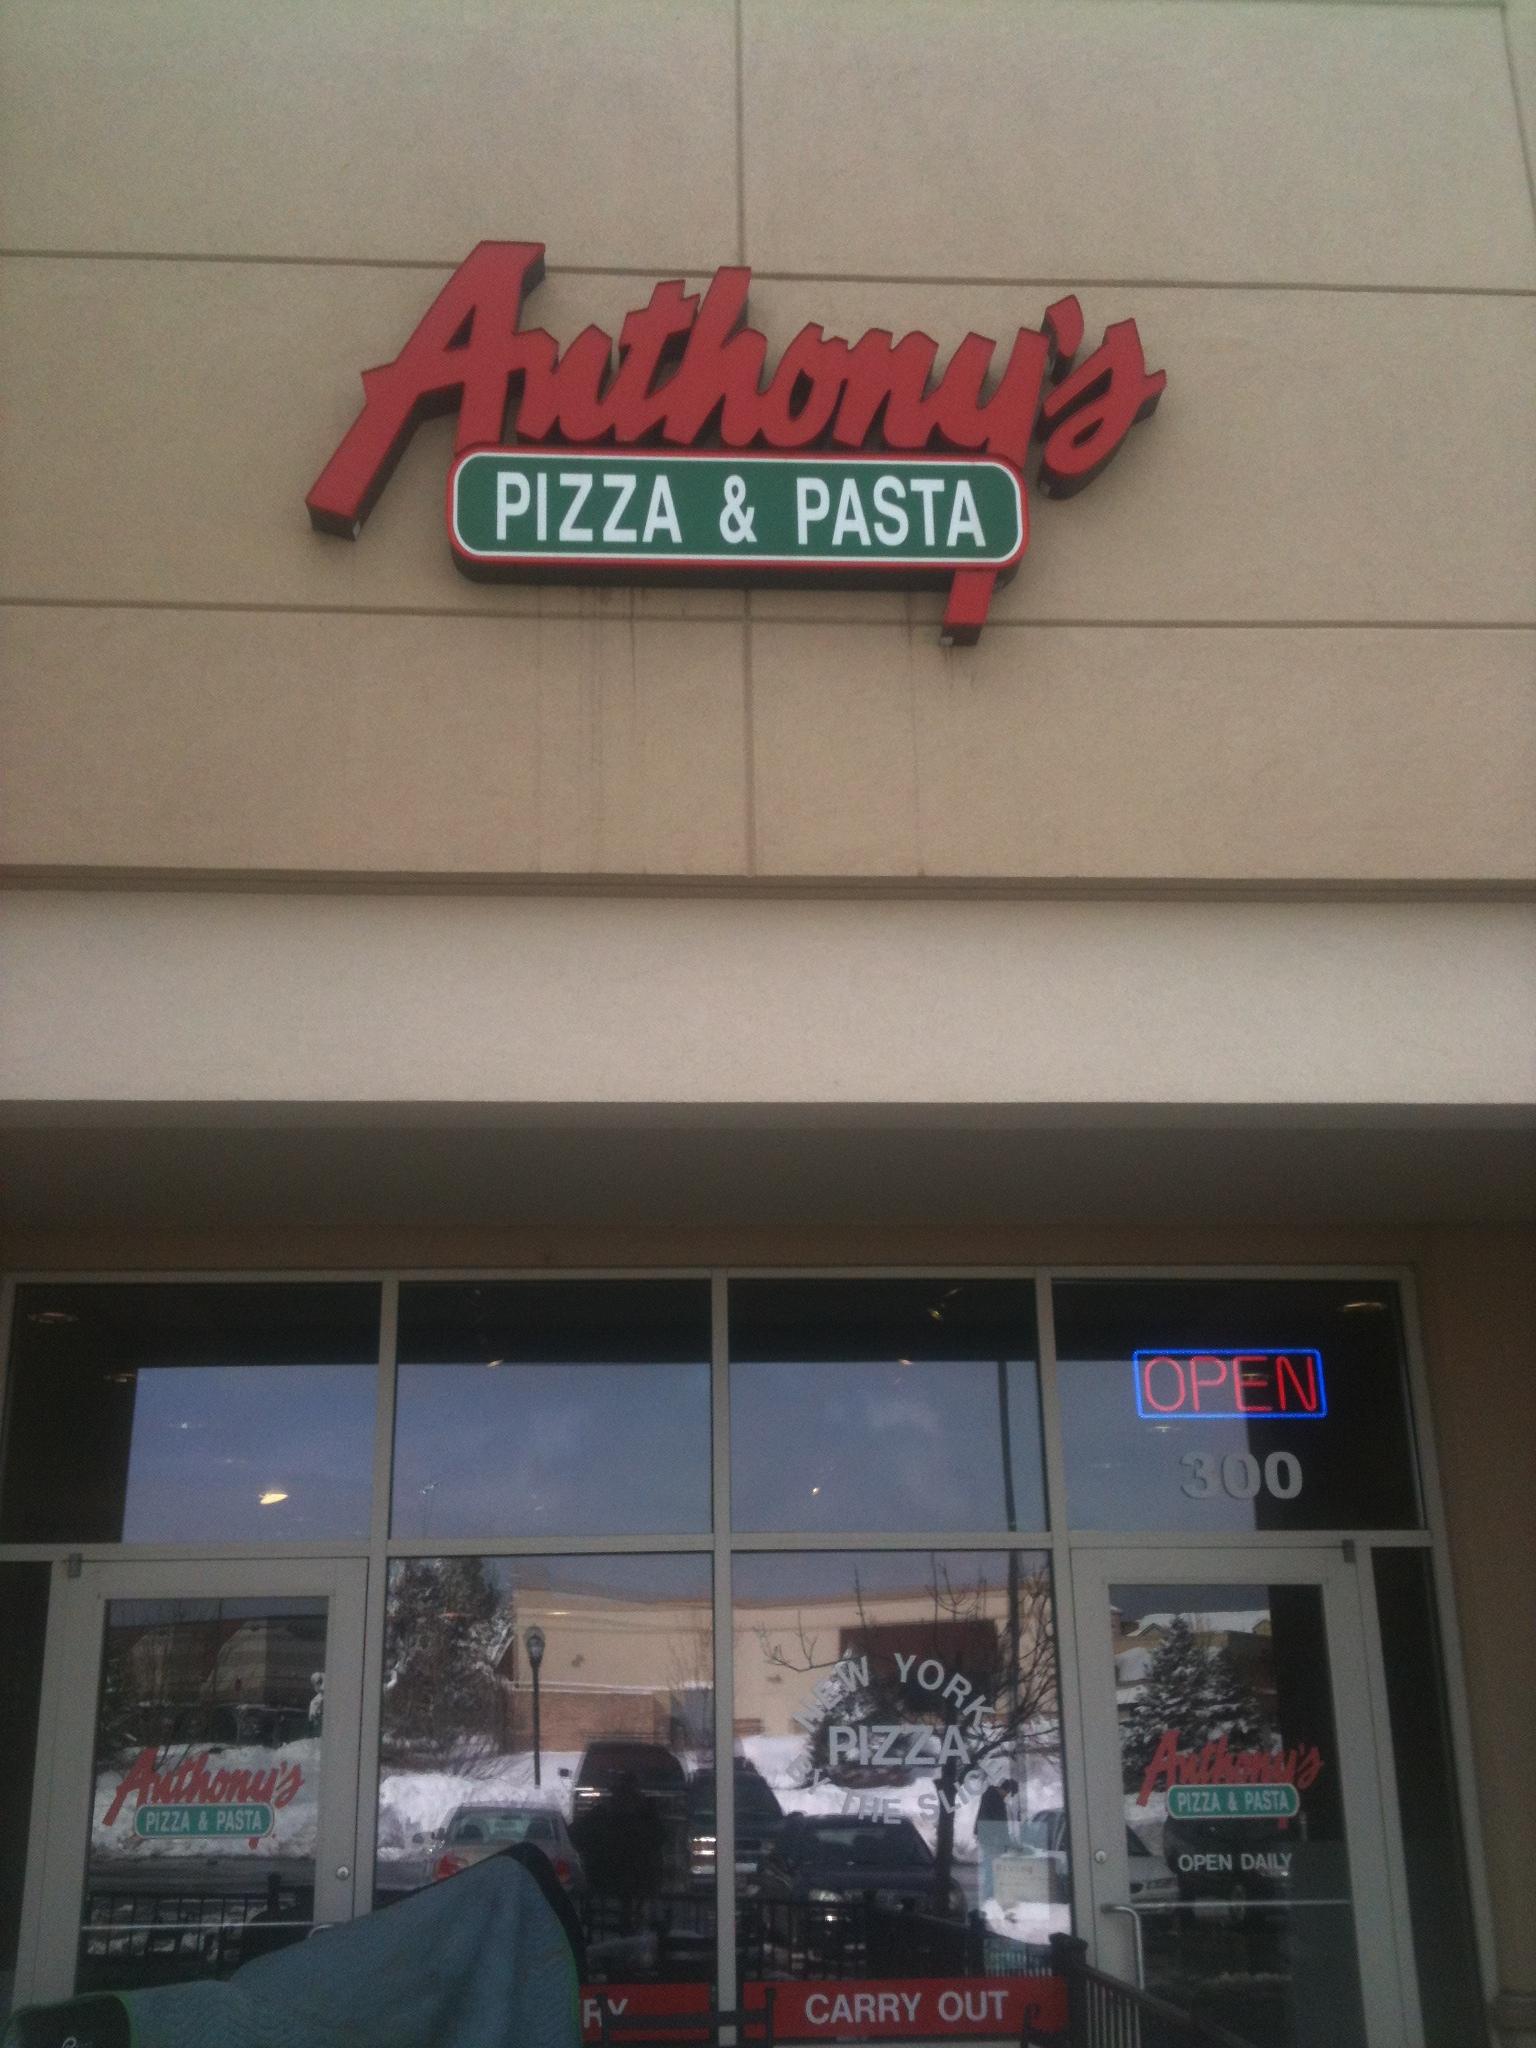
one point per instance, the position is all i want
(517, 508)
(1233, 1802)
(185, 1822)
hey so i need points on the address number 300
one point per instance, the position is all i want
(1240, 1475)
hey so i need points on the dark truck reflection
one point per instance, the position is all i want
(759, 1817)
(648, 1766)
(629, 1824)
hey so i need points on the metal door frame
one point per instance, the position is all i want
(1370, 1816)
(66, 1742)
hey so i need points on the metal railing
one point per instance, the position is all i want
(131, 1939)
(857, 1936)
(1104, 2013)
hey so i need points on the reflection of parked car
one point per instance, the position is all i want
(831, 1859)
(759, 1818)
(474, 1832)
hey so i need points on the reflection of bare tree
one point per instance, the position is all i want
(992, 1701)
(690, 1678)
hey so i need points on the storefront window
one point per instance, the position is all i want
(871, 1405)
(901, 1851)
(891, 1818)
(1234, 1405)
(213, 1413)
(567, 1702)
(553, 1408)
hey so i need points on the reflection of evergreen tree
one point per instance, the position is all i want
(445, 1623)
(1194, 1688)
(1233, 1706)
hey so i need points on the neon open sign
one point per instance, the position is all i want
(1223, 1386)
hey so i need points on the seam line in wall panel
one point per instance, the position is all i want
(741, 139)
(819, 618)
(748, 742)
(17, 877)
(957, 282)
(1527, 140)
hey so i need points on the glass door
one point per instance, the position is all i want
(204, 1767)
(1237, 1851)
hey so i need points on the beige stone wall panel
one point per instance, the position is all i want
(349, 129)
(152, 740)
(1196, 754)
(1318, 456)
(1520, 34)
(1161, 139)
(293, 742)
(164, 421)
(209, 996)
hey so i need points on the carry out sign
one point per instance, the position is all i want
(677, 451)
(856, 2009)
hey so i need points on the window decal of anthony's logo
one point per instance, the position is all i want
(854, 459)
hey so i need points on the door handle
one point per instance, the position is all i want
(1134, 1917)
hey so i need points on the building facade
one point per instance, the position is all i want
(867, 1254)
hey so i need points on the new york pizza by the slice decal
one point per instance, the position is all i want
(859, 460)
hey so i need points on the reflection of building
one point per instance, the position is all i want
(612, 1668)
(180, 1663)
(621, 1667)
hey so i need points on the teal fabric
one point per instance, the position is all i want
(477, 1962)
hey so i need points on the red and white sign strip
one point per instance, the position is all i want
(917, 2008)
(854, 2009)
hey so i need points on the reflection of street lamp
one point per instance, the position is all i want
(534, 1640)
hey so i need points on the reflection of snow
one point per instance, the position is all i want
(293, 1825)
(1148, 1821)
(1034, 1921)
(416, 1802)
(1246, 1621)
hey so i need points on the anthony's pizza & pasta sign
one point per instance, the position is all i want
(675, 453)
(189, 1801)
